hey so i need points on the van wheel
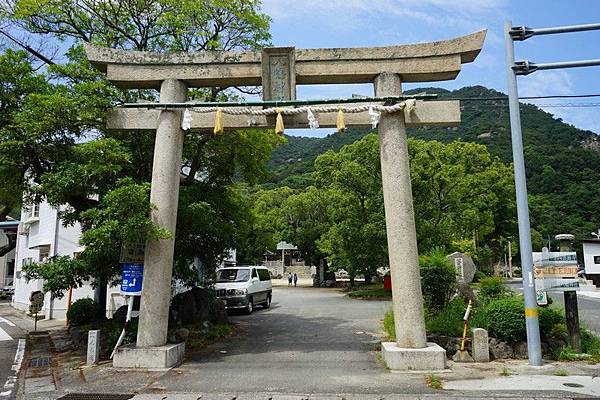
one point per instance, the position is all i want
(250, 306)
(267, 303)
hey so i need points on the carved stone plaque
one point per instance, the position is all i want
(278, 73)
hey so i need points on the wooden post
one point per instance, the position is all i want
(572, 317)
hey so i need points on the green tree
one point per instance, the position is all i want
(356, 240)
(100, 170)
(458, 190)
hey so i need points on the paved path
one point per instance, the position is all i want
(12, 347)
(310, 341)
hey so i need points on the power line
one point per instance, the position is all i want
(29, 49)
(505, 98)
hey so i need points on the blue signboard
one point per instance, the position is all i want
(131, 279)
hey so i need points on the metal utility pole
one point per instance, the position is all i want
(534, 349)
(513, 69)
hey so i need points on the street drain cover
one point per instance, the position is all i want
(96, 396)
(39, 362)
(574, 385)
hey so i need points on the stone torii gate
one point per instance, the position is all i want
(278, 70)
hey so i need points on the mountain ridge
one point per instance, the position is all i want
(563, 185)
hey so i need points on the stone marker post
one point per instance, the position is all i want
(481, 347)
(93, 347)
(164, 194)
(400, 221)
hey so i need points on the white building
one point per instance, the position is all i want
(591, 260)
(41, 236)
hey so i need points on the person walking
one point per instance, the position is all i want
(290, 279)
(295, 280)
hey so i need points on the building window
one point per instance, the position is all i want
(597, 260)
(44, 252)
(36, 211)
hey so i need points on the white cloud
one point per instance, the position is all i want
(547, 83)
(544, 83)
(432, 12)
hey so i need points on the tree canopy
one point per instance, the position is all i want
(58, 142)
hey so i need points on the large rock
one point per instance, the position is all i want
(465, 267)
(195, 306)
(500, 350)
(520, 350)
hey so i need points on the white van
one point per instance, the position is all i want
(244, 287)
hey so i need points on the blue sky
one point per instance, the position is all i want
(363, 23)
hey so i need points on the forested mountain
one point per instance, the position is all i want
(563, 162)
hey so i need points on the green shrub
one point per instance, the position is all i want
(114, 331)
(84, 311)
(438, 280)
(478, 276)
(505, 319)
(492, 288)
(590, 344)
(549, 319)
(448, 321)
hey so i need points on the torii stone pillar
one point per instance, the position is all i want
(278, 70)
(164, 194)
(400, 222)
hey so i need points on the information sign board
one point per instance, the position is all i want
(131, 279)
(555, 271)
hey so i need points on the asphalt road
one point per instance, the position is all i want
(589, 308)
(11, 341)
(310, 341)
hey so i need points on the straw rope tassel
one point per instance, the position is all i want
(279, 128)
(340, 123)
(218, 122)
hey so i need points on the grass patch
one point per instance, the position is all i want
(388, 324)
(561, 372)
(447, 322)
(201, 336)
(371, 291)
(434, 382)
(380, 361)
(505, 372)
(590, 349)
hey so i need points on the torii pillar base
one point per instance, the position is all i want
(430, 358)
(158, 357)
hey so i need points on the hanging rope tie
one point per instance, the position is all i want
(374, 115)
(279, 128)
(186, 123)
(218, 122)
(313, 123)
(410, 105)
(340, 123)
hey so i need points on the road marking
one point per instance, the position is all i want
(11, 381)
(6, 321)
(4, 336)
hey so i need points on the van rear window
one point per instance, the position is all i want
(264, 275)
